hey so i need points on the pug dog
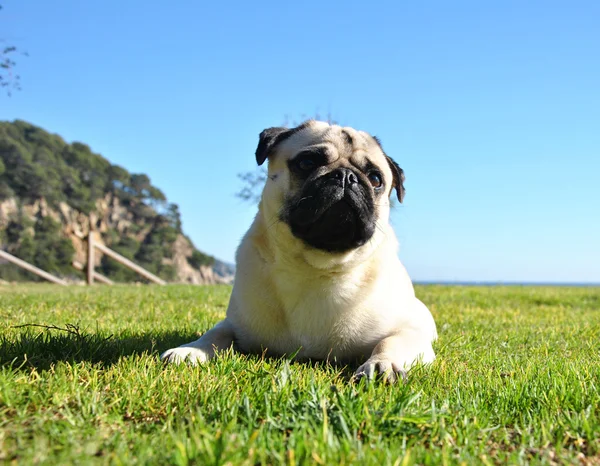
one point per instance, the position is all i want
(318, 275)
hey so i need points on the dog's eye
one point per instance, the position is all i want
(306, 164)
(375, 179)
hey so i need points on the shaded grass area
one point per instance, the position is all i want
(517, 381)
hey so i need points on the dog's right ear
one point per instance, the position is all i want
(268, 139)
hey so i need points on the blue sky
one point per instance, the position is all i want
(491, 108)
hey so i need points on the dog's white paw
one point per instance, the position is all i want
(386, 368)
(189, 354)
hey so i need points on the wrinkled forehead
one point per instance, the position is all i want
(347, 142)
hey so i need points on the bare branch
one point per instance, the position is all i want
(8, 78)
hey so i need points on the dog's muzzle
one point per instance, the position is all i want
(334, 213)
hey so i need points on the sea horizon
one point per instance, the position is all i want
(505, 283)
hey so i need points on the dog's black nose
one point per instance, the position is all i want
(346, 176)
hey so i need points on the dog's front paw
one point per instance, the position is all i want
(189, 354)
(386, 368)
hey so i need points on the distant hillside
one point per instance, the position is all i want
(51, 195)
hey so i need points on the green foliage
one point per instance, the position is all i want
(40, 243)
(173, 216)
(126, 246)
(515, 382)
(8, 79)
(38, 165)
(35, 164)
(198, 258)
(54, 253)
(152, 252)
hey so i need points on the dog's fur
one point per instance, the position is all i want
(318, 274)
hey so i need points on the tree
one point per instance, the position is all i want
(253, 181)
(40, 243)
(8, 79)
(199, 258)
(53, 252)
(35, 164)
(174, 217)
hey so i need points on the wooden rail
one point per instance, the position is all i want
(91, 274)
(31, 268)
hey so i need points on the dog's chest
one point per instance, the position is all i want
(329, 319)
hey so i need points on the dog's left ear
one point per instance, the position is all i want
(268, 139)
(398, 174)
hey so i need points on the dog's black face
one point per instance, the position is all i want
(334, 208)
(335, 212)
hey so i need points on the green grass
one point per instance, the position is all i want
(517, 381)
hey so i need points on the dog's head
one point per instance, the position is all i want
(331, 185)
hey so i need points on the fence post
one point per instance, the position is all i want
(97, 276)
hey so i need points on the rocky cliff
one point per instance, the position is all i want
(54, 194)
(111, 216)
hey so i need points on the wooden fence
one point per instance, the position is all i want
(92, 275)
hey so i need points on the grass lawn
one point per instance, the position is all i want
(517, 381)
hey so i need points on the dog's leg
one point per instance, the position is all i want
(394, 355)
(397, 353)
(220, 337)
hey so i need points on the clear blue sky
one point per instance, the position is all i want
(491, 108)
